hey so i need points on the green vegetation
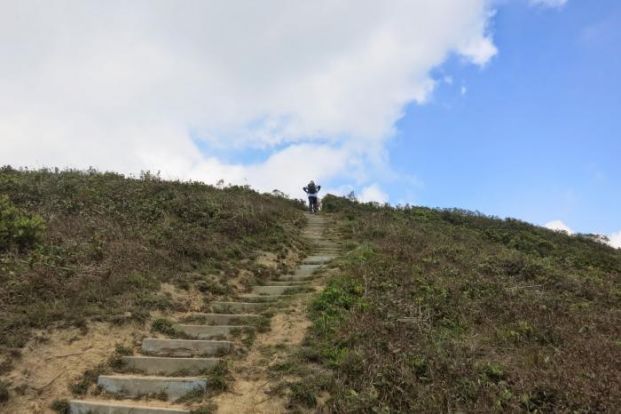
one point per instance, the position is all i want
(17, 229)
(218, 378)
(60, 406)
(89, 378)
(210, 408)
(167, 327)
(78, 246)
(451, 311)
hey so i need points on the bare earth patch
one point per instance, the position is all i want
(53, 360)
(250, 393)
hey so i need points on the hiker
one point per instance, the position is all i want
(311, 189)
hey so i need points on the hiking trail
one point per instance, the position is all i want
(173, 368)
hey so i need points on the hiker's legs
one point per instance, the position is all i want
(312, 204)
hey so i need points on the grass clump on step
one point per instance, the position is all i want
(167, 327)
(61, 406)
(449, 310)
(218, 380)
(210, 408)
(77, 246)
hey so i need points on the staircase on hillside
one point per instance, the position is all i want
(172, 367)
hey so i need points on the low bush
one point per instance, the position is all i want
(83, 245)
(18, 229)
(453, 311)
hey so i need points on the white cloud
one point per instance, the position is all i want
(558, 225)
(129, 86)
(548, 3)
(615, 240)
(373, 193)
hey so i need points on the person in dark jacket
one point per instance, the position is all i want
(311, 190)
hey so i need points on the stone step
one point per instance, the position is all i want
(296, 278)
(288, 282)
(272, 290)
(136, 386)
(184, 347)
(209, 331)
(332, 252)
(224, 318)
(251, 297)
(169, 366)
(115, 407)
(236, 307)
(307, 269)
(318, 259)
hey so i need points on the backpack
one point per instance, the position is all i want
(311, 189)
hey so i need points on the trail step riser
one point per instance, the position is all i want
(288, 282)
(224, 319)
(272, 290)
(136, 386)
(100, 407)
(169, 366)
(210, 331)
(184, 347)
(236, 307)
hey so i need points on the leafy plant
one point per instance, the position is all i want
(17, 229)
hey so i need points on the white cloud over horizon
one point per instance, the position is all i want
(613, 240)
(131, 86)
(558, 225)
(373, 193)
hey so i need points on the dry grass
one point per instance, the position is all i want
(450, 311)
(102, 245)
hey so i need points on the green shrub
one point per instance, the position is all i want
(450, 310)
(60, 406)
(110, 242)
(17, 229)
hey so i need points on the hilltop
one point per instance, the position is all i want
(425, 310)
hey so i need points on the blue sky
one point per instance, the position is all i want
(537, 134)
(509, 107)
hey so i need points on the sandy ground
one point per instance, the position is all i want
(53, 360)
(250, 392)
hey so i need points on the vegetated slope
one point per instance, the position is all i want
(449, 311)
(85, 245)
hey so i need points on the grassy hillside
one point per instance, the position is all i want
(78, 246)
(451, 311)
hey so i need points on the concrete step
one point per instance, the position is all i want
(236, 307)
(209, 331)
(273, 290)
(169, 366)
(305, 270)
(288, 282)
(223, 318)
(318, 259)
(136, 386)
(184, 347)
(296, 278)
(251, 297)
(115, 407)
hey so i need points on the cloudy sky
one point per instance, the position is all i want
(510, 107)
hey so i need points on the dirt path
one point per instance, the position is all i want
(253, 389)
(57, 358)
